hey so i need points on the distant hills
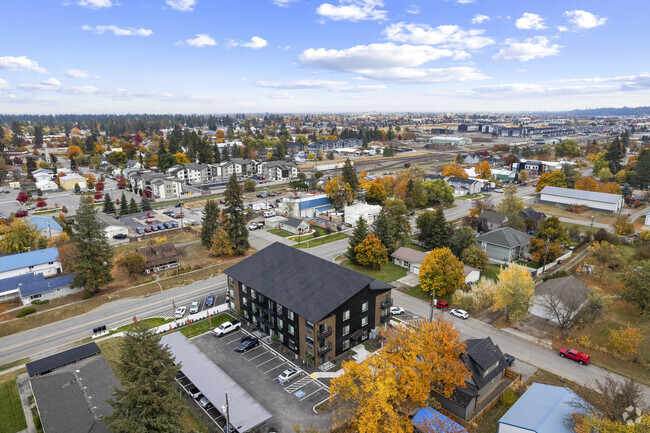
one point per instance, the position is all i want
(611, 111)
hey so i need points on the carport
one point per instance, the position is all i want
(214, 383)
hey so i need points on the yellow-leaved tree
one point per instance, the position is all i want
(376, 396)
(515, 292)
(371, 252)
(181, 158)
(483, 170)
(454, 170)
(220, 244)
(441, 272)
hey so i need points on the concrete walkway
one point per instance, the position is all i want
(25, 390)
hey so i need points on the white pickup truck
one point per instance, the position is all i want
(226, 328)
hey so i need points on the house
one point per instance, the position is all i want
(471, 274)
(471, 158)
(531, 166)
(433, 177)
(574, 197)
(68, 182)
(111, 225)
(42, 174)
(30, 287)
(567, 294)
(493, 220)
(47, 226)
(463, 186)
(408, 258)
(366, 211)
(486, 365)
(44, 262)
(47, 185)
(428, 420)
(159, 257)
(133, 163)
(504, 244)
(296, 226)
(504, 174)
(160, 185)
(529, 212)
(315, 308)
(542, 409)
(277, 170)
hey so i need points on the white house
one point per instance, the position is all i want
(408, 258)
(472, 275)
(112, 226)
(366, 211)
(47, 185)
(47, 226)
(31, 287)
(44, 262)
(591, 199)
(464, 186)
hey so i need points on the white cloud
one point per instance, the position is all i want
(283, 3)
(530, 22)
(413, 9)
(118, 31)
(329, 85)
(562, 28)
(4, 84)
(78, 73)
(21, 63)
(200, 40)
(529, 49)
(427, 75)
(464, 2)
(584, 20)
(353, 10)
(449, 36)
(479, 18)
(95, 4)
(51, 82)
(182, 5)
(256, 43)
(279, 95)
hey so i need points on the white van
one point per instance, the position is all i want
(269, 213)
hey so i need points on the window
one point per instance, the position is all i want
(364, 320)
(290, 314)
(254, 320)
(244, 301)
(232, 294)
(245, 314)
(36, 296)
(280, 323)
(346, 330)
(232, 306)
(280, 337)
(279, 308)
(310, 342)
(346, 344)
(254, 308)
(253, 294)
(244, 288)
(291, 329)
(346, 315)
(364, 307)
(231, 281)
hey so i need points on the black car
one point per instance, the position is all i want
(222, 201)
(179, 204)
(209, 301)
(120, 236)
(509, 359)
(248, 344)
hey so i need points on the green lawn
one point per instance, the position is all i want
(415, 247)
(532, 265)
(14, 364)
(388, 272)
(153, 322)
(469, 197)
(492, 271)
(279, 232)
(203, 326)
(12, 417)
(321, 240)
(627, 252)
(417, 292)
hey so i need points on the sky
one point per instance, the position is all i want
(321, 56)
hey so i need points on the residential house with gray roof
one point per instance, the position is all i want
(504, 244)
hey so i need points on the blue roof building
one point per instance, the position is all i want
(542, 409)
(44, 223)
(35, 286)
(40, 261)
(428, 419)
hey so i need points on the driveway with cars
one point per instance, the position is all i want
(257, 370)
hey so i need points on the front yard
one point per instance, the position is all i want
(388, 272)
(12, 417)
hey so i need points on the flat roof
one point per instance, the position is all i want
(602, 197)
(45, 365)
(245, 412)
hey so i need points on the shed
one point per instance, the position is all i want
(471, 274)
(274, 222)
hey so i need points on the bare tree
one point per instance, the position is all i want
(563, 306)
(612, 399)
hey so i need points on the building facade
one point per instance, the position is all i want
(44, 262)
(593, 200)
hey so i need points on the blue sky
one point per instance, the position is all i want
(221, 56)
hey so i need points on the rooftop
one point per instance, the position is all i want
(505, 237)
(34, 284)
(42, 223)
(602, 197)
(30, 258)
(409, 254)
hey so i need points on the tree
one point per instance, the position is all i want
(641, 177)
(544, 251)
(359, 233)
(124, 208)
(133, 206)
(92, 265)
(19, 237)
(614, 154)
(586, 184)
(398, 219)
(523, 176)
(376, 192)
(551, 178)
(434, 229)
(480, 297)
(350, 176)
(483, 170)
(623, 226)
(416, 195)
(475, 257)
(610, 401)
(22, 197)
(121, 183)
(438, 192)
(234, 217)
(117, 158)
(605, 174)
(41, 203)
(571, 174)
(625, 341)
(339, 192)
(637, 289)
(463, 238)
(220, 244)
(382, 230)
(181, 158)
(441, 272)
(478, 206)
(249, 185)
(209, 223)
(145, 204)
(132, 262)
(562, 305)
(371, 252)
(510, 204)
(150, 400)
(515, 292)
(454, 170)
(378, 394)
(109, 207)
(567, 148)
(73, 151)
(553, 230)
(606, 255)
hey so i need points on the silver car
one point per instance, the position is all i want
(194, 308)
(288, 375)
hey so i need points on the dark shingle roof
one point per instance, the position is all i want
(494, 217)
(505, 237)
(481, 354)
(307, 285)
(159, 254)
(461, 180)
(532, 213)
(293, 222)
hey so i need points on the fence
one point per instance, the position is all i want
(557, 261)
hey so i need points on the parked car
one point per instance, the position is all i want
(396, 310)
(120, 236)
(178, 216)
(509, 359)
(226, 328)
(161, 227)
(222, 201)
(139, 230)
(147, 229)
(579, 357)
(116, 216)
(209, 301)
(174, 224)
(255, 225)
(149, 221)
(168, 212)
(460, 313)
(204, 402)
(269, 213)
(150, 215)
(179, 204)
(288, 375)
(442, 305)
(247, 345)
(168, 225)
(194, 307)
(194, 392)
(278, 200)
(154, 228)
(498, 190)
(180, 312)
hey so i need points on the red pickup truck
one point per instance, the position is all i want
(579, 357)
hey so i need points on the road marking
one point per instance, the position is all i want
(261, 354)
(105, 319)
(307, 396)
(281, 365)
(269, 360)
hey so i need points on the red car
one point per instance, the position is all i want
(150, 215)
(147, 229)
(149, 221)
(442, 305)
(579, 357)
(178, 216)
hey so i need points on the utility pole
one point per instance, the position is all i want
(548, 238)
(433, 293)
(226, 408)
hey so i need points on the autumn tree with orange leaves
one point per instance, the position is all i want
(376, 396)
(371, 252)
(454, 170)
(483, 170)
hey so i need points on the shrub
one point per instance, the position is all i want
(26, 311)
(40, 301)
(558, 274)
(508, 398)
(642, 253)
(578, 209)
(602, 236)
(88, 295)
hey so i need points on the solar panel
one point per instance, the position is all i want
(45, 365)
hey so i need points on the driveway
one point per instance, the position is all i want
(522, 349)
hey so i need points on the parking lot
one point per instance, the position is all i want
(257, 370)
(142, 221)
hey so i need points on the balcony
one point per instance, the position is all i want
(324, 334)
(268, 324)
(269, 311)
(386, 304)
(385, 318)
(322, 350)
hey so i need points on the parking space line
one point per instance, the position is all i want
(251, 350)
(269, 360)
(255, 357)
(307, 396)
(268, 371)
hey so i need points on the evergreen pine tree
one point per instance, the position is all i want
(210, 222)
(150, 401)
(109, 206)
(614, 155)
(350, 176)
(133, 206)
(92, 264)
(359, 233)
(641, 177)
(381, 229)
(234, 217)
(217, 155)
(124, 207)
(438, 231)
(145, 204)
(225, 154)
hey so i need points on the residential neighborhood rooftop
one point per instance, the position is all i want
(505, 236)
(30, 258)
